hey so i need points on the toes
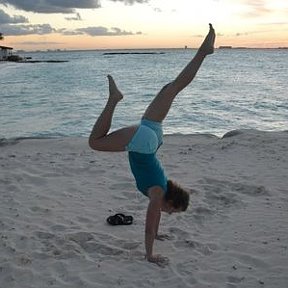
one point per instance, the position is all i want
(110, 78)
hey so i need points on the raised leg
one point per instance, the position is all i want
(99, 138)
(159, 107)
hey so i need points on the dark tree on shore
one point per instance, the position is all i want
(1, 36)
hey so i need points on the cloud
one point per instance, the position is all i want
(76, 18)
(256, 8)
(17, 30)
(39, 43)
(10, 26)
(41, 29)
(247, 33)
(52, 6)
(60, 6)
(98, 31)
(158, 10)
(282, 23)
(131, 2)
(16, 19)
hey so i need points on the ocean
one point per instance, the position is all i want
(234, 89)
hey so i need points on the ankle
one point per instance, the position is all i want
(112, 102)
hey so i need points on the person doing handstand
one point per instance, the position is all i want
(142, 142)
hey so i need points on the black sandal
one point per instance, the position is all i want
(120, 219)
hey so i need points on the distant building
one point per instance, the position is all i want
(5, 52)
(225, 47)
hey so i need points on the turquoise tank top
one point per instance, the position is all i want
(147, 171)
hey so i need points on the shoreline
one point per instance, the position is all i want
(231, 133)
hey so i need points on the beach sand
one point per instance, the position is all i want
(55, 196)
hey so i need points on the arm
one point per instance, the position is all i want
(161, 237)
(152, 219)
(157, 226)
(152, 222)
(158, 236)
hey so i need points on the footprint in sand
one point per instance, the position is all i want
(235, 279)
(56, 246)
(204, 249)
(39, 209)
(58, 228)
(235, 187)
(251, 261)
(84, 220)
(106, 246)
(126, 244)
(187, 268)
(179, 233)
(44, 235)
(80, 237)
(122, 186)
(220, 195)
(201, 213)
(101, 248)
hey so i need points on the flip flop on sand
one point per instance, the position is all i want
(120, 219)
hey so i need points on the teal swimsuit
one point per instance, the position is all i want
(144, 164)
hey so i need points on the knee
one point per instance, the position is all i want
(175, 87)
(170, 88)
(166, 87)
(93, 143)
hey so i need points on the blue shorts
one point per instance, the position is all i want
(147, 139)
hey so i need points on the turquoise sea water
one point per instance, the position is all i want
(235, 89)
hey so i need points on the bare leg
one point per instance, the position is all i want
(159, 107)
(117, 140)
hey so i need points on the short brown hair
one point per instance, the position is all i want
(177, 195)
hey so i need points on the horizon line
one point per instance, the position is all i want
(226, 47)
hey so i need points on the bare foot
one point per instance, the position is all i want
(114, 92)
(207, 46)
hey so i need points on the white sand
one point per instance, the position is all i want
(55, 196)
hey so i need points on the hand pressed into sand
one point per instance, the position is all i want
(159, 260)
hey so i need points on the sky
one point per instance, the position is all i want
(131, 24)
